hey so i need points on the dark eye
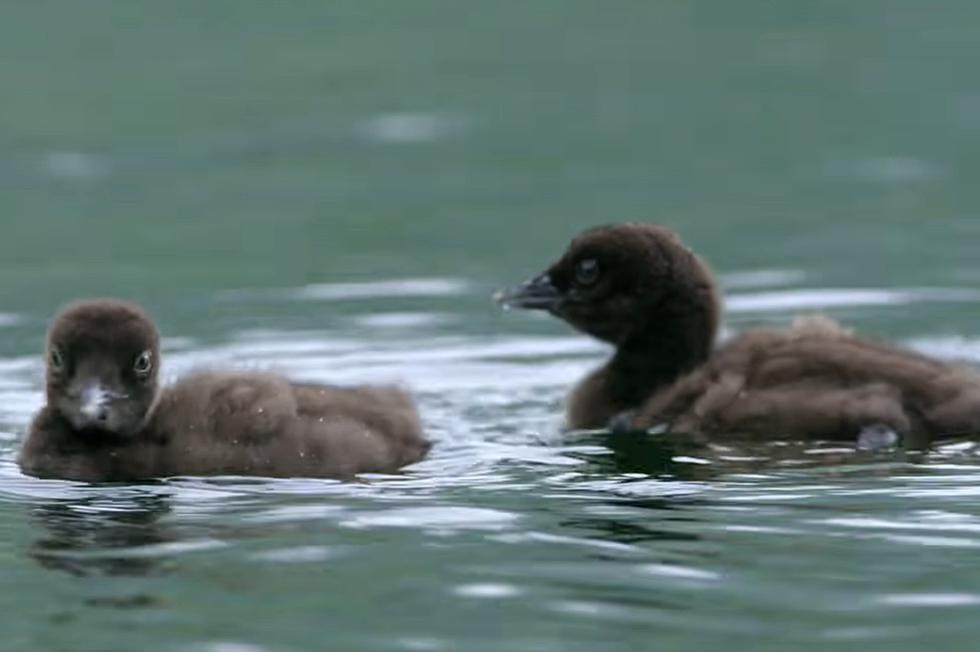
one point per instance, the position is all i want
(55, 359)
(587, 272)
(143, 363)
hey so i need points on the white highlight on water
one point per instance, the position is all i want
(409, 128)
(817, 299)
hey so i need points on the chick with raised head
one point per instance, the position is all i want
(637, 287)
(107, 418)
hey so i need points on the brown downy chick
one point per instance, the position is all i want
(107, 418)
(639, 288)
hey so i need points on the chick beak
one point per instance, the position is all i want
(94, 402)
(537, 294)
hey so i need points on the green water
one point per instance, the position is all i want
(333, 189)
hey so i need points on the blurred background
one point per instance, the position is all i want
(333, 189)
(165, 149)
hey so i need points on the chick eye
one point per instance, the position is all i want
(143, 363)
(587, 272)
(56, 360)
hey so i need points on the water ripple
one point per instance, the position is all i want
(819, 299)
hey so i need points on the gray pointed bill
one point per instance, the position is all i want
(537, 294)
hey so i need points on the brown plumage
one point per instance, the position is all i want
(107, 419)
(637, 287)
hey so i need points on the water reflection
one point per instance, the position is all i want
(624, 521)
(679, 457)
(103, 536)
(658, 455)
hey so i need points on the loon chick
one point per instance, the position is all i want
(637, 287)
(107, 418)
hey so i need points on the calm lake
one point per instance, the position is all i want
(333, 190)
